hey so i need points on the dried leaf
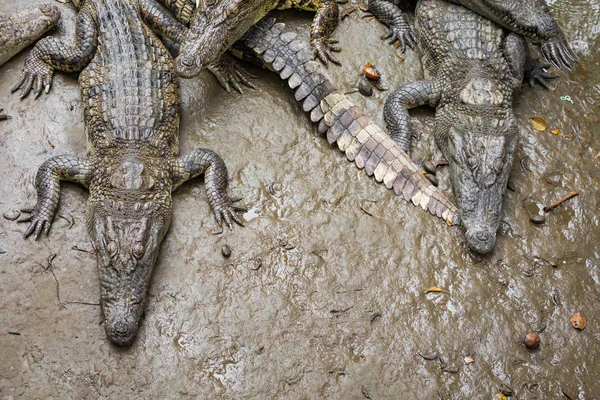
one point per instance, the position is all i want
(435, 289)
(500, 396)
(469, 360)
(538, 123)
(51, 144)
(578, 321)
(556, 131)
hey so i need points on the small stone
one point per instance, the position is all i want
(429, 167)
(538, 219)
(577, 321)
(432, 179)
(226, 250)
(532, 340)
(364, 87)
(469, 360)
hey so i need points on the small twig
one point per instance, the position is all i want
(83, 302)
(552, 206)
(14, 333)
(82, 250)
(70, 220)
(49, 268)
(362, 207)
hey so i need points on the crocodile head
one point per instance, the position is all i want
(530, 18)
(216, 25)
(479, 149)
(127, 237)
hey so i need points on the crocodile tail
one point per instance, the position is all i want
(363, 142)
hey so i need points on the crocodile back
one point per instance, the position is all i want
(448, 33)
(128, 90)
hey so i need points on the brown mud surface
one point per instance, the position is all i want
(323, 296)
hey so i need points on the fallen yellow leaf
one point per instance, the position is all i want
(538, 123)
(469, 360)
(578, 321)
(500, 396)
(556, 131)
(435, 289)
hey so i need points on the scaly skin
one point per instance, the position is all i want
(209, 37)
(472, 69)
(528, 18)
(131, 111)
(19, 30)
(344, 124)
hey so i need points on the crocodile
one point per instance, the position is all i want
(344, 124)
(473, 68)
(269, 44)
(131, 106)
(22, 28)
(528, 18)
(211, 33)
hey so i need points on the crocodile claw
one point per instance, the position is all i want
(229, 213)
(324, 48)
(37, 223)
(403, 34)
(230, 74)
(539, 74)
(36, 75)
(558, 53)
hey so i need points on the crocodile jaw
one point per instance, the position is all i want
(126, 248)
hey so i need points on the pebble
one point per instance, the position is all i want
(364, 87)
(538, 219)
(226, 250)
(432, 179)
(532, 340)
(429, 167)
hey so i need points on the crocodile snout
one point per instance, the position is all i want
(187, 66)
(481, 240)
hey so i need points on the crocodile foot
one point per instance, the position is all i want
(39, 221)
(324, 48)
(538, 73)
(3, 116)
(403, 34)
(227, 211)
(558, 53)
(230, 74)
(36, 75)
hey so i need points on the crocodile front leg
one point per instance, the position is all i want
(395, 110)
(322, 27)
(50, 54)
(47, 183)
(388, 13)
(204, 161)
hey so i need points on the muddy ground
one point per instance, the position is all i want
(324, 294)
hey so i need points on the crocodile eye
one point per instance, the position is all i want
(111, 248)
(138, 250)
(498, 163)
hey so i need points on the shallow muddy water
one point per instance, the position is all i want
(323, 296)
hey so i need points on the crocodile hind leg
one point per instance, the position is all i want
(204, 161)
(47, 183)
(388, 13)
(395, 110)
(322, 27)
(50, 54)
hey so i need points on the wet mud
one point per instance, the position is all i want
(324, 293)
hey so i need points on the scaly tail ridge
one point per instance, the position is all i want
(343, 123)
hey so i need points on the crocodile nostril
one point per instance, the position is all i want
(186, 61)
(483, 236)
